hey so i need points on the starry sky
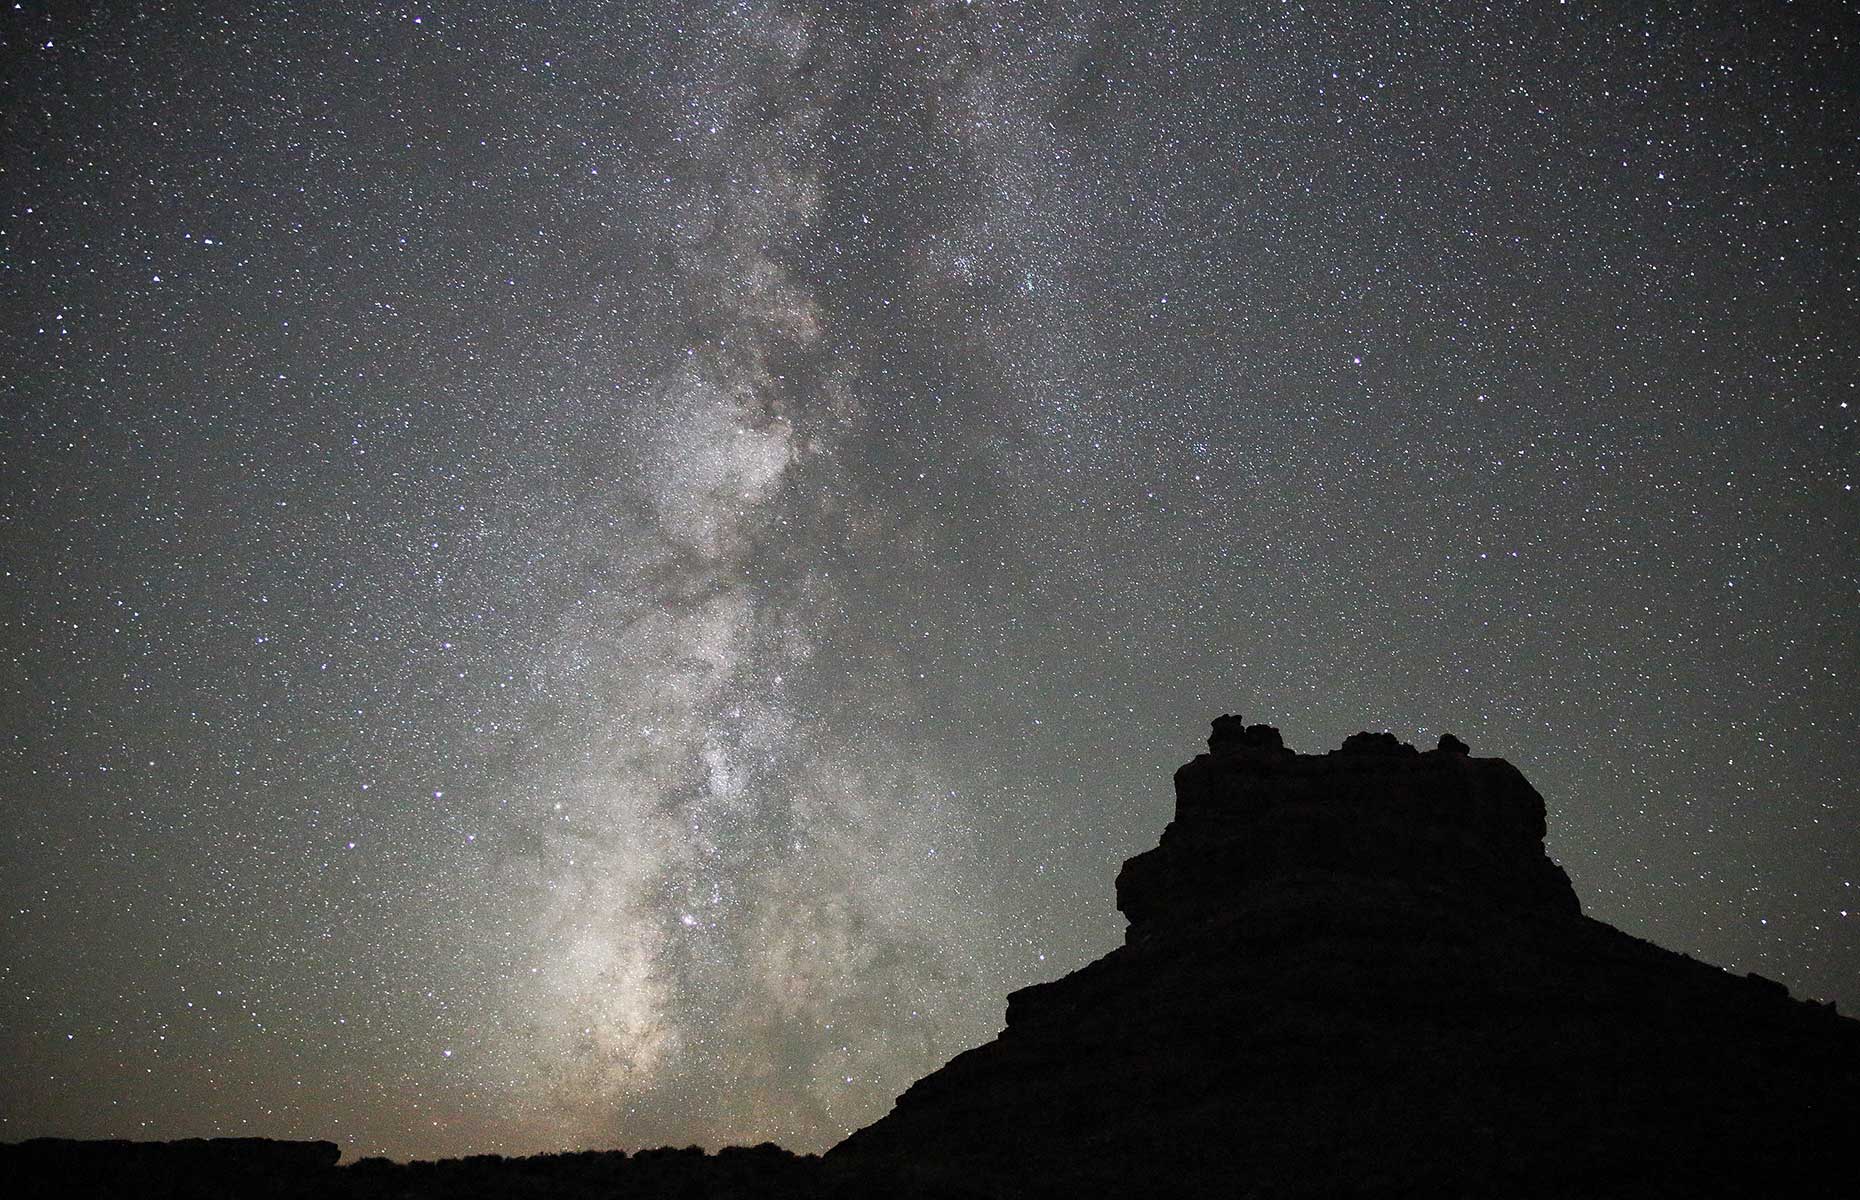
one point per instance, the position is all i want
(584, 574)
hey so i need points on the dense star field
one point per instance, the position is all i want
(603, 575)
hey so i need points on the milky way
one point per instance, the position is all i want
(619, 574)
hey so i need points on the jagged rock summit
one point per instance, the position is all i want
(1359, 974)
(1377, 819)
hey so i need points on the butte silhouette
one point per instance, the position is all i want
(1359, 974)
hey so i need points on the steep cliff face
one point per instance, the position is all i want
(1359, 974)
(1444, 827)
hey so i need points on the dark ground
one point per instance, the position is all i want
(1352, 974)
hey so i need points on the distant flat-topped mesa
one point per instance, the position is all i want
(203, 1168)
(1358, 974)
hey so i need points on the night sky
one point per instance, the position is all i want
(607, 575)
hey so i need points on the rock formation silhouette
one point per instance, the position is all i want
(1351, 974)
(1359, 974)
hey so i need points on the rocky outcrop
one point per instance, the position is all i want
(1359, 974)
(1447, 828)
